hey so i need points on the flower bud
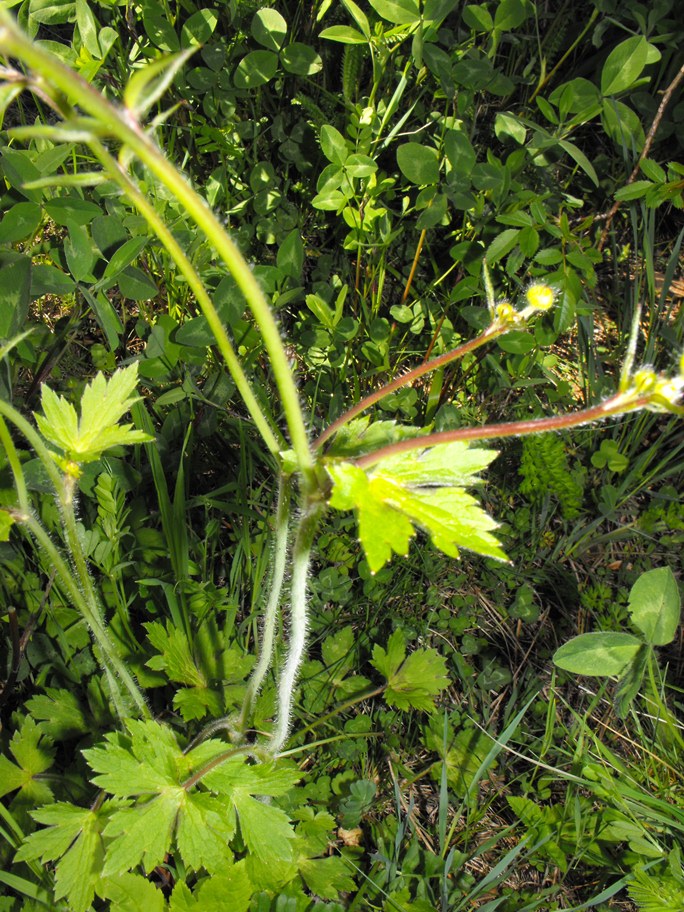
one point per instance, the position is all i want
(644, 380)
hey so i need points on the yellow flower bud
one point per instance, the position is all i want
(505, 312)
(644, 380)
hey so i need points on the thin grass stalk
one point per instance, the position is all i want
(427, 367)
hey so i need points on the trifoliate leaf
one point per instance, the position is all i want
(413, 682)
(418, 488)
(103, 404)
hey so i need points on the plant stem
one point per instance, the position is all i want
(205, 303)
(114, 667)
(565, 56)
(82, 594)
(343, 707)
(15, 466)
(414, 266)
(650, 136)
(661, 713)
(615, 405)
(122, 123)
(427, 367)
(36, 441)
(282, 520)
(301, 560)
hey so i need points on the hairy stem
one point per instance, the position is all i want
(301, 560)
(427, 367)
(114, 667)
(185, 267)
(282, 520)
(81, 593)
(15, 467)
(122, 123)
(616, 405)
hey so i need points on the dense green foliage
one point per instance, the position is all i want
(420, 750)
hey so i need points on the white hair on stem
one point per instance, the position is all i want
(301, 562)
(279, 561)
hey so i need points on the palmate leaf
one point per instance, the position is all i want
(103, 404)
(142, 833)
(204, 830)
(33, 755)
(413, 682)
(72, 835)
(423, 488)
(132, 893)
(266, 829)
(170, 813)
(232, 889)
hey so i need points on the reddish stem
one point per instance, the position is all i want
(490, 333)
(414, 266)
(614, 406)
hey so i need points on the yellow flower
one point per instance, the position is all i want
(540, 296)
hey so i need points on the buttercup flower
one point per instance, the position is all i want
(540, 296)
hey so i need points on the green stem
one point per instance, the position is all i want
(490, 333)
(36, 441)
(282, 519)
(114, 667)
(15, 466)
(565, 56)
(615, 405)
(83, 598)
(301, 561)
(123, 124)
(247, 750)
(343, 707)
(205, 303)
